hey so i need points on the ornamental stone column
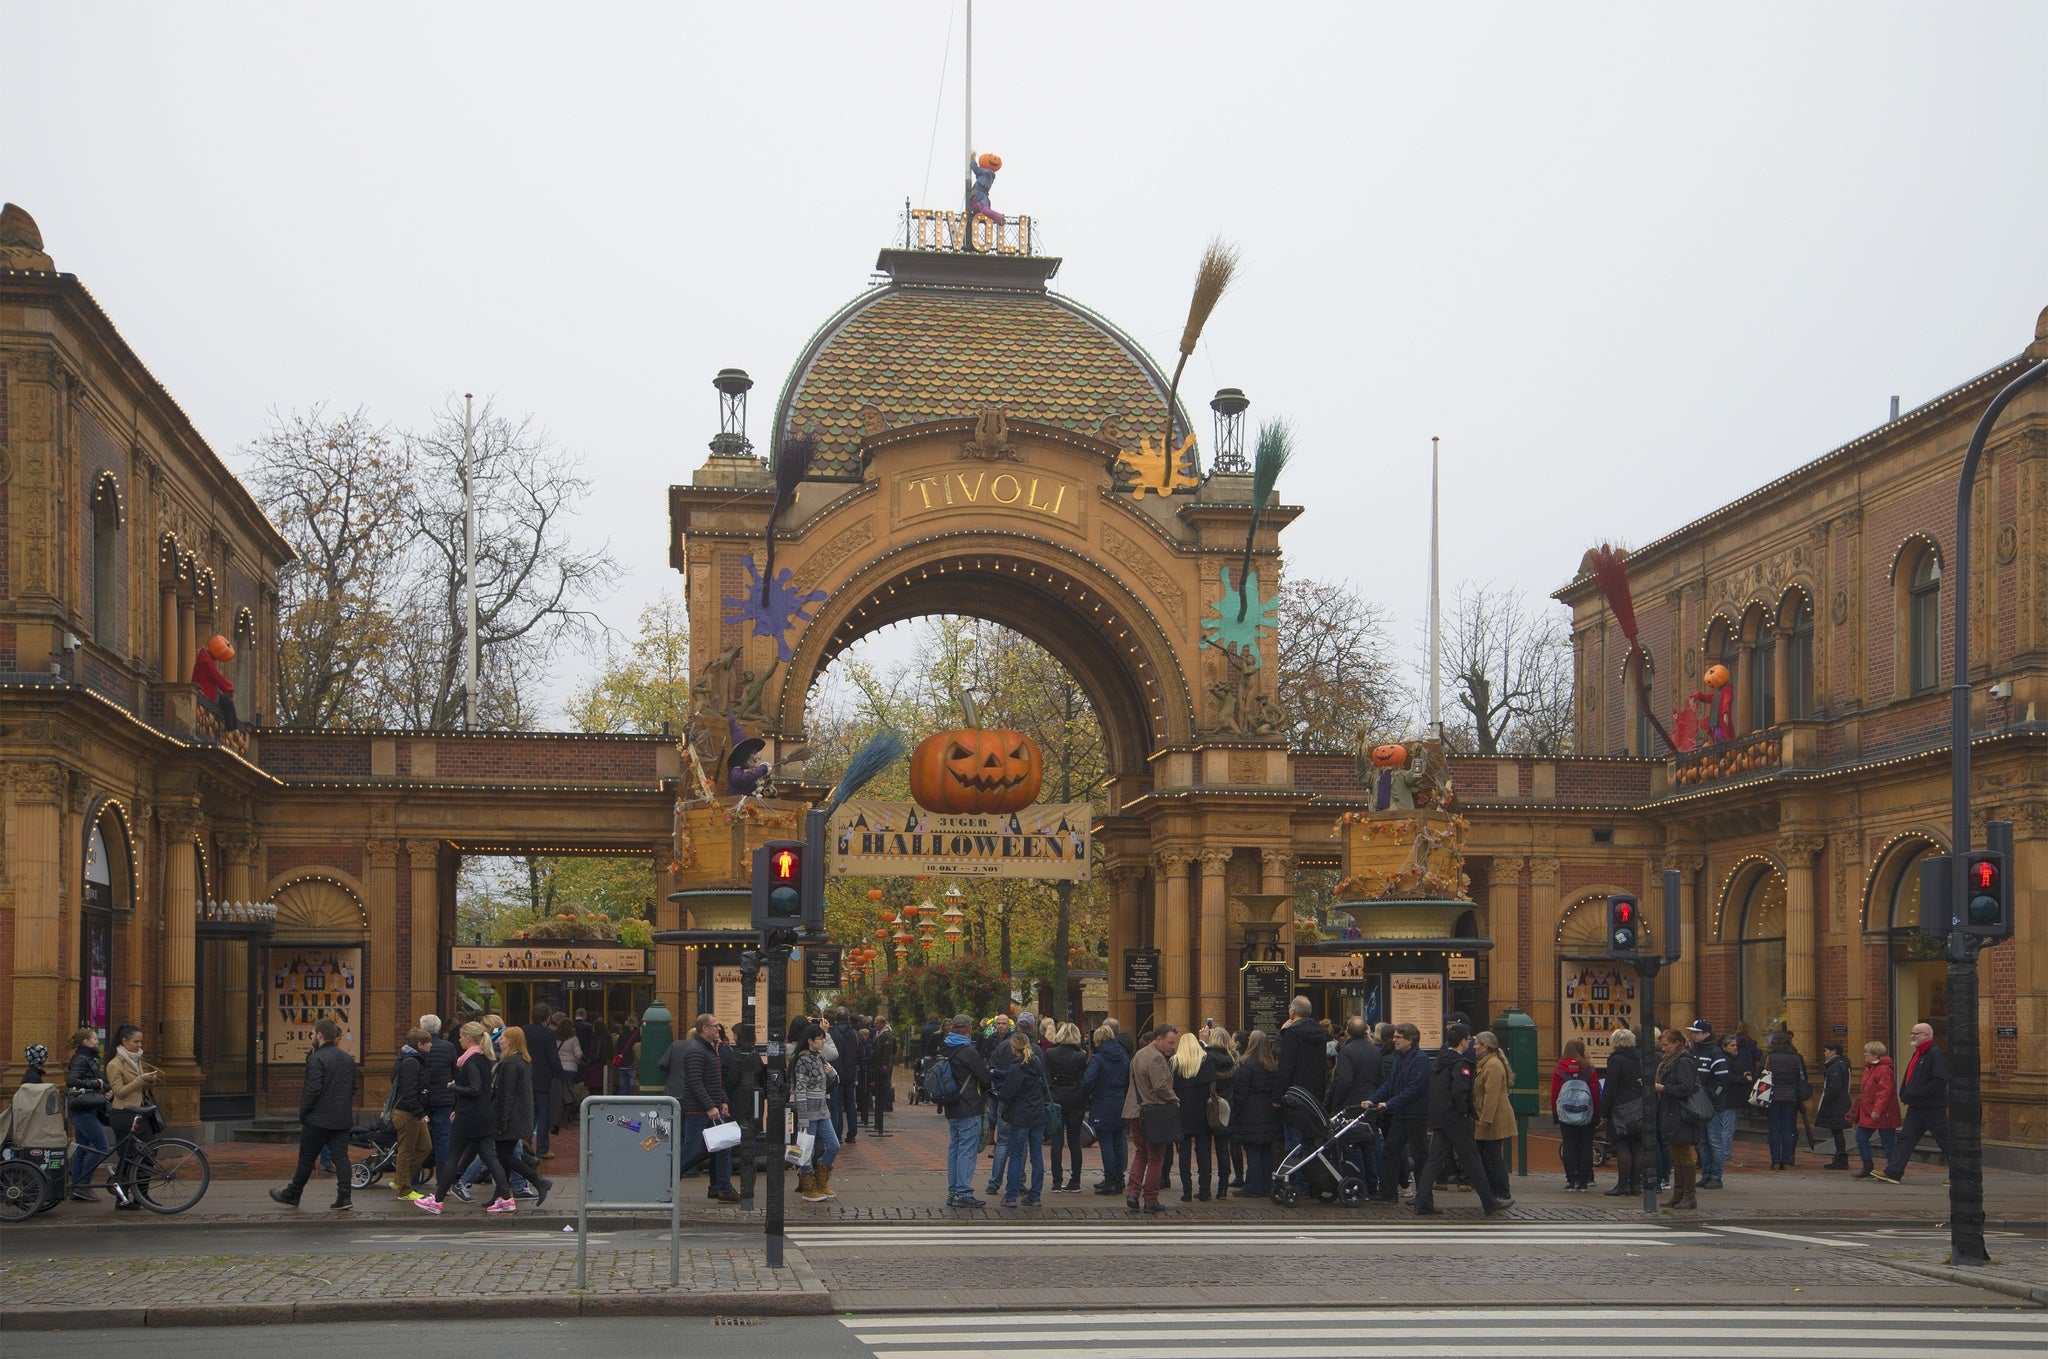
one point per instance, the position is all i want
(1543, 874)
(1802, 1008)
(33, 857)
(237, 848)
(1680, 984)
(1276, 878)
(423, 858)
(1504, 925)
(1215, 862)
(179, 1091)
(1126, 881)
(1171, 933)
(377, 1039)
(167, 635)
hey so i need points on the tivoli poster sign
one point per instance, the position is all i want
(902, 839)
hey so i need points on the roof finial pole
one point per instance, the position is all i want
(967, 193)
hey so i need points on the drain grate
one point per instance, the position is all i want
(735, 1321)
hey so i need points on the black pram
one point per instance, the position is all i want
(381, 1140)
(1323, 1158)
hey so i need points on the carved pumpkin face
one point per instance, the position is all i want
(974, 770)
(220, 649)
(1390, 756)
(1716, 676)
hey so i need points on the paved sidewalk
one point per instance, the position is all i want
(270, 1289)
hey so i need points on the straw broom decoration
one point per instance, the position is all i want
(1610, 573)
(1212, 280)
(792, 460)
(1276, 446)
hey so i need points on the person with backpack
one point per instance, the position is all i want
(407, 1106)
(1784, 1078)
(1575, 1103)
(1103, 1084)
(957, 1081)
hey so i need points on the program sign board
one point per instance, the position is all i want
(902, 839)
(309, 984)
(821, 967)
(532, 956)
(1264, 992)
(1141, 971)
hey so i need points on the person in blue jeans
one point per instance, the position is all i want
(1716, 1078)
(82, 1080)
(1102, 1085)
(1022, 1090)
(963, 1113)
(1788, 1072)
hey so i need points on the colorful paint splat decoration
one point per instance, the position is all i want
(1149, 465)
(1227, 630)
(777, 611)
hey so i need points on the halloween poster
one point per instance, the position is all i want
(308, 984)
(1595, 999)
(890, 839)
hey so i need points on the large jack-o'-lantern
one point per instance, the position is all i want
(976, 769)
(1393, 755)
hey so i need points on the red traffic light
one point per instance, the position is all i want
(1984, 875)
(785, 865)
(1624, 912)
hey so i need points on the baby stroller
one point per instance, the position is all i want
(35, 1139)
(1322, 1159)
(380, 1139)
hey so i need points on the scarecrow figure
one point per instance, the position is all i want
(984, 172)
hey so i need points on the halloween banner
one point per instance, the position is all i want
(521, 955)
(902, 839)
(1598, 998)
(309, 984)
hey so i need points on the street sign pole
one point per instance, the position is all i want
(775, 957)
(1647, 969)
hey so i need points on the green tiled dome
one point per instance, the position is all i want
(925, 351)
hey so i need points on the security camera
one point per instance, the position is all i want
(2002, 689)
(71, 642)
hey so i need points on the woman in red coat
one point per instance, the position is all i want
(1877, 1106)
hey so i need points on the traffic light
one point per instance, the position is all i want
(1987, 895)
(1624, 927)
(788, 888)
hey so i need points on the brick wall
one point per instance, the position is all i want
(8, 657)
(282, 859)
(316, 755)
(626, 761)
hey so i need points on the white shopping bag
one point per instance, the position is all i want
(799, 1153)
(721, 1136)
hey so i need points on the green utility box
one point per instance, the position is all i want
(658, 1030)
(1517, 1034)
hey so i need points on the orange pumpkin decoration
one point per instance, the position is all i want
(972, 769)
(220, 649)
(1716, 676)
(1390, 756)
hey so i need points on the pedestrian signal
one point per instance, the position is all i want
(1987, 895)
(1624, 927)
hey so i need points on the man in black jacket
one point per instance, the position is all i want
(544, 1052)
(1924, 1092)
(847, 1044)
(327, 1104)
(696, 1078)
(1302, 1050)
(1714, 1076)
(439, 1058)
(1450, 1124)
(1356, 1077)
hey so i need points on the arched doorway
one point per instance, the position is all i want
(1918, 972)
(108, 892)
(1756, 903)
(1595, 994)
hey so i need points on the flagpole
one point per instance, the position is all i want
(469, 563)
(1436, 714)
(969, 190)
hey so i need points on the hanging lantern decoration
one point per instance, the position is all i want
(954, 932)
(926, 943)
(902, 952)
(902, 937)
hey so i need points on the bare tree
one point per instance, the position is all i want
(340, 490)
(533, 588)
(1509, 670)
(1337, 671)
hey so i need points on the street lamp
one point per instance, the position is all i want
(1003, 925)
(1965, 1104)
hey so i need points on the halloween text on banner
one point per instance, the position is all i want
(898, 839)
(522, 955)
(307, 985)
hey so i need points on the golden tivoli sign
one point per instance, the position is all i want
(979, 489)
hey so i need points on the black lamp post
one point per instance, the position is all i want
(1965, 1103)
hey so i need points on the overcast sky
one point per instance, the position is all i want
(1628, 261)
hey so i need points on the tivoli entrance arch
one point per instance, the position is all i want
(986, 447)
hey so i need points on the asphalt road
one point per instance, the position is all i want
(617, 1338)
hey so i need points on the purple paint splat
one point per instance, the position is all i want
(777, 615)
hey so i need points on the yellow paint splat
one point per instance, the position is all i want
(1149, 465)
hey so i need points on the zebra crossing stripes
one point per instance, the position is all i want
(1011, 1235)
(1538, 1333)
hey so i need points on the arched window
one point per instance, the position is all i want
(1923, 622)
(1799, 661)
(1761, 682)
(1645, 737)
(1762, 975)
(106, 567)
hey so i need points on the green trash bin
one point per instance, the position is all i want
(1517, 1034)
(657, 1031)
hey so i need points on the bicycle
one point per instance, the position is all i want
(165, 1174)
